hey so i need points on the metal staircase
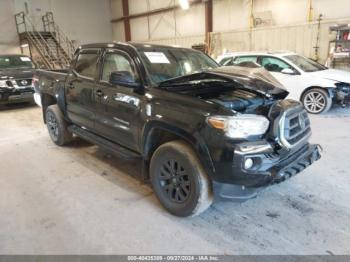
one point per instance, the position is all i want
(49, 47)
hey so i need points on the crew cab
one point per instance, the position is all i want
(200, 130)
(315, 85)
(16, 74)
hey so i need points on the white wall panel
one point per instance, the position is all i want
(118, 32)
(85, 21)
(191, 22)
(230, 14)
(8, 34)
(139, 29)
(162, 25)
(141, 6)
(116, 8)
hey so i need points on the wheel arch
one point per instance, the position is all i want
(329, 92)
(157, 133)
(48, 99)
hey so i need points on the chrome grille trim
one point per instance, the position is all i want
(294, 128)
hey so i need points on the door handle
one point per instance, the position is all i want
(99, 93)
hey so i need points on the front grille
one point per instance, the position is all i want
(24, 82)
(296, 127)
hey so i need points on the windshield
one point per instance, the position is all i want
(166, 63)
(14, 62)
(305, 64)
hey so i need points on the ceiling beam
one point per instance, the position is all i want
(150, 13)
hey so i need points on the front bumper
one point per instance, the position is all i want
(341, 94)
(8, 96)
(269, 168)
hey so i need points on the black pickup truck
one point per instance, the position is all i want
(200, 130)
(16, 74)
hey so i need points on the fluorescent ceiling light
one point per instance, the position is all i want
(184, 4)
(24, 45)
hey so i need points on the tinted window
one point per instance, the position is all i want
(165, 63)
(11, 62)
(305, 64)
(242, 59)
(226, 61)
(273, 64)
(116, 62)
(86, 63)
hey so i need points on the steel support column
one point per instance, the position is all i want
(126, 19)
(208, 22)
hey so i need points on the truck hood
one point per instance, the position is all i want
(258, 80)
(16, 73)
(332, 74)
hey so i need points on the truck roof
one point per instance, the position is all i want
(12, 55)
(126, 45)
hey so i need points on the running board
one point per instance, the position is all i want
(103, 143)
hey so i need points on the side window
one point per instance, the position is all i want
(226, 61)
(86, 63)
(116, 62)
(273, 64)
(241, 59)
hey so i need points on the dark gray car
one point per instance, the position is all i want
(16, 77)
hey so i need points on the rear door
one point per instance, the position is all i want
(80, 88)
(118, 107)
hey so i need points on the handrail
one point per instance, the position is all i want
(55, 54)
(61, 37)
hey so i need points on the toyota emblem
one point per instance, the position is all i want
(24, 82)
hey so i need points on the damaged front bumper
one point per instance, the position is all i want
(268, 168)
(342, 94)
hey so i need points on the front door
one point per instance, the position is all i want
(118, 107)
(80, 89)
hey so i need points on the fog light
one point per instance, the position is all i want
(248, 163)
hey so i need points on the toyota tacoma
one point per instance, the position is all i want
(200, 130)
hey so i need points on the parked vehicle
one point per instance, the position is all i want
(16, 73)
(200, 130)
(316, 86)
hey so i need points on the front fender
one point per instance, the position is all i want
(194, 139)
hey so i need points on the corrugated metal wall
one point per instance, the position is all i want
(300, 38)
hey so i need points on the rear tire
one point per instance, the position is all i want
(57, 126)
(179, 180)
(316, 101)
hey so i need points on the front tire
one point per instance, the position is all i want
(179, 180)
(316, 101)
(57, 126)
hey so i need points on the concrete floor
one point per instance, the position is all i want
(78, 200)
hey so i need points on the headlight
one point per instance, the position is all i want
(240, 126)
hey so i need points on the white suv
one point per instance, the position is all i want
(316, 86)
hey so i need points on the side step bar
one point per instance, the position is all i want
(104, 143)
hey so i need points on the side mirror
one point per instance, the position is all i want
(123, 78)
(288, 71)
